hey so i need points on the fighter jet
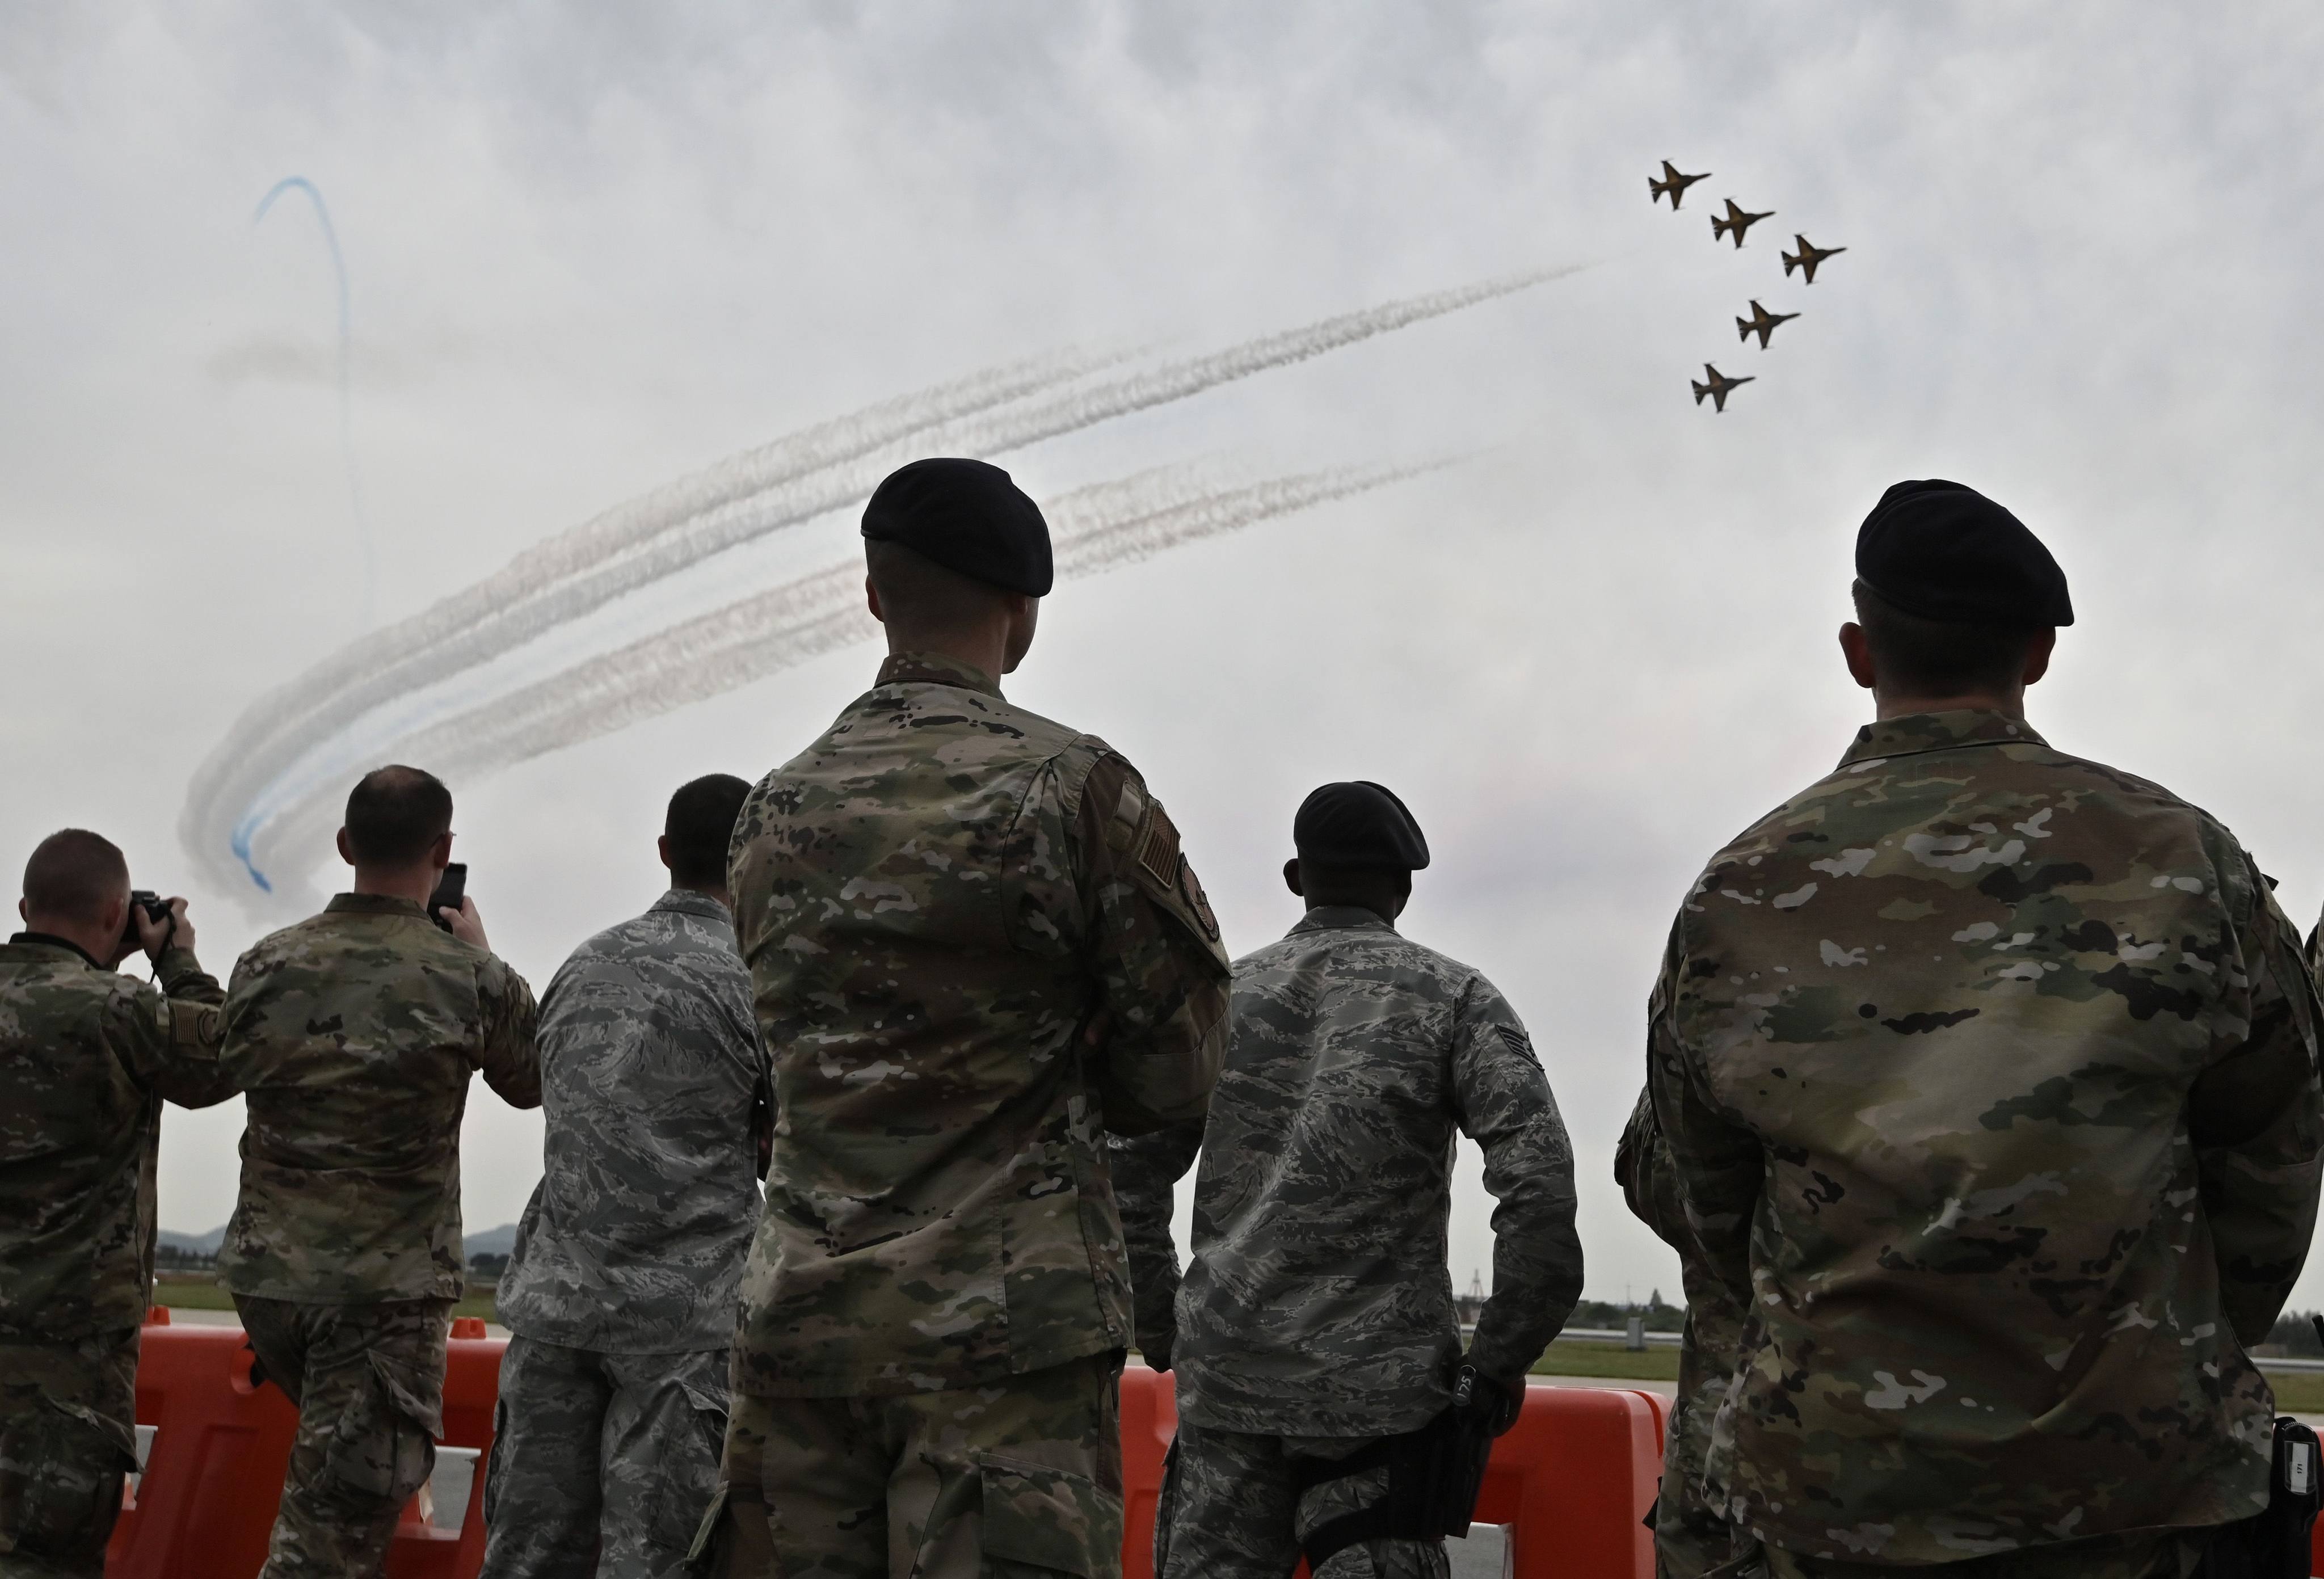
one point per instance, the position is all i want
(1761, 322)
(1736, 223)
(1672, 185)
(1717, 388)
(1807, 258)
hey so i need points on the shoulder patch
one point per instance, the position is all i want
(1190, 888)
(1156, 846)
(1519, 1043)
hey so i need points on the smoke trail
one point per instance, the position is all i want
(347, 386)
(1096, 530)
(293, 719)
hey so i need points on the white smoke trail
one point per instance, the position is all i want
(239, 785)
(1096, 530)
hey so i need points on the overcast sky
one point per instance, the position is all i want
(589, 251)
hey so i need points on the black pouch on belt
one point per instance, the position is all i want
(1433, 1476)
(2275, 1544)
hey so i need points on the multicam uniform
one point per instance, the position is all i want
(87, 1058)
(621, 1292)
(976, 947)
(1989, 1079)
(1692, 1537)
(1317, 1316)
(353, 1036)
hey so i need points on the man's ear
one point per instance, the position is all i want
(662, 848)
(117, 917)
(439, 853)
(347, 850)
(872, 600)
(2037, 655)
(23, 914)
(1858, 653)
(1291, 877)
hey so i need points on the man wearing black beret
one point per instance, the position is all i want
(1983, 1078)
(975, 947)
(1317, 1350)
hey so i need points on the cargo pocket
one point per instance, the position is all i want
(691, 1439)
(1039, 1520)
(61, 1471)
(382, 1451)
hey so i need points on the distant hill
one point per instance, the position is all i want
(192, 1243)
(491, 1241)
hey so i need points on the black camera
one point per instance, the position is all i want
(155, 906)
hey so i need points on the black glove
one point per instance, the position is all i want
(1157, 1354)
(1489, 1406)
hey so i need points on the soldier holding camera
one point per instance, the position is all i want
(87, 1058)
(353, 1036)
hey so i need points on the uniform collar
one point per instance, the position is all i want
(1924, 732)
(934, 668)
(376, 904)
(686, 902)
(1341, 918)
(49, 941)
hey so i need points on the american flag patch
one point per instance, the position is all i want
(1158, 846)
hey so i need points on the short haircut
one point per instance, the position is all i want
(75, 874)
(919, 594)
(699, 828)
(394, 814)
(1916, 657)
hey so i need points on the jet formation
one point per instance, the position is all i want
(1672, 184)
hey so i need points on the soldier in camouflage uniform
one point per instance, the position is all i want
(1692, 1537)
(621, 1292)
(1316, 1321)
(976, 948)
(353, 1037)
(87, 1058)
(1989, 1080)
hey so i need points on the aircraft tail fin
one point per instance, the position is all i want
(1790, 263)
(1742, 328)
(1701, 389)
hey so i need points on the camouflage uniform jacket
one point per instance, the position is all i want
(87, 1057)
(1989, 1080)
(940, 901)
(1319, 1302)
(352, 1037)
(634, 1239)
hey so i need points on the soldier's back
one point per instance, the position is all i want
(1961, 991)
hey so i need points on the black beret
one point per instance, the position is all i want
(966, 516)
(1358, 824)
(1945, 552)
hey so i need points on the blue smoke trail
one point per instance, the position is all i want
(346, 391)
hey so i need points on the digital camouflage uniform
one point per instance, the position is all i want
(976, 946)
(1692, 1537)
(353, 1036)
(621, 1291)
(87, 1058)
(1317, 1316)
(1989, 1080)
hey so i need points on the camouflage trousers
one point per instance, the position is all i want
(68, 1435)
(1015, 1481)
(369, 1383)
(2144, 1556)
(601, 1463)
(1232, 1508)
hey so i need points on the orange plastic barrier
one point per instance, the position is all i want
(1570, 1483)
(205, 1504)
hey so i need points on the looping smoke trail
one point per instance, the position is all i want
(239, 788)
(347, 386)
(1096, 530)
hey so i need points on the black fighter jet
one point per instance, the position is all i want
(1807, 257)
(1717, 388)
(1672, 185)
(1736, 223)
(1761, 322)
